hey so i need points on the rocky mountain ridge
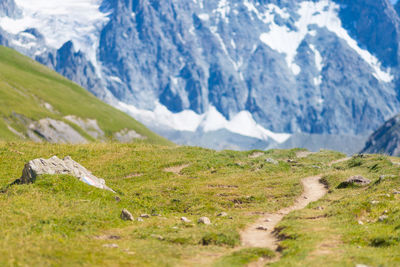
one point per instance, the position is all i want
(312, 67)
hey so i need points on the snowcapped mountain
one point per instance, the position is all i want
(248, 68)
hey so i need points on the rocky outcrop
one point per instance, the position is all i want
(127, 136)
(54, 165)
(234, 56)
(385, 140)
(89, 125)
(55, 131)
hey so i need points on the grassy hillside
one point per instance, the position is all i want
(26, 87)
(61, 221)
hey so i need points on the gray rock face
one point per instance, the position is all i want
(8, 8)
(386, 140)
(54, 131)
(54, 165)
(193, 54)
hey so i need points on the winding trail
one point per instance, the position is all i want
(261, 233)
(252, 236)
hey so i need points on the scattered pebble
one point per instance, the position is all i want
(175, 228)
(382, 218)
(127, 251)
(268, 220)
(145, 216)
(262, 228)
(272, 161)
(222, 214)
(159, 237)
(360, 223)
(140, 219)
(126, 215)
(185, 220)
(117, 198)
(396, 192)
(204, 220)
(110, 246)
(320, 208)
(374, 202)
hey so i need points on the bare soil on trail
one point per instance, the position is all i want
(260, 234)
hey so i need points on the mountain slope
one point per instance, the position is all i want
(385, 140)
(39, 104)
(327, 67)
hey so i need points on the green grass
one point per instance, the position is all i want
(59, 221)
(348, 230)
(56, 220)
(244, 257)
(26, 85)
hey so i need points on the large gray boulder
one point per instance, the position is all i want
(54, 165)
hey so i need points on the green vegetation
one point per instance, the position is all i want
(349, 226)
(26, 87)
(244, 257)
(61, 221)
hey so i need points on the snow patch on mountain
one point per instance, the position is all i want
(60, 21)
(242, 123)
(324, 14)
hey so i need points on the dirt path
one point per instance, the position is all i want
(260, 234)
(256, 236)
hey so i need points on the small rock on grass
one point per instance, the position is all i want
(185, 220)
(159, 237)
(222, 214)
(355, 180)
(272, 161)
(126, 215)
(140, 219)
(383, 218)
(204, 220)
(145, 216)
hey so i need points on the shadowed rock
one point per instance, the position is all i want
(54, 165)
(126, 215)
(355, 180)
